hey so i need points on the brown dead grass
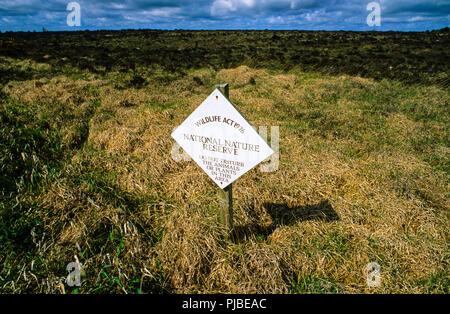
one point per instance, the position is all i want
(398, 221)
(240, 76)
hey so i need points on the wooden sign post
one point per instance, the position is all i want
(223, 143)
(226, 194)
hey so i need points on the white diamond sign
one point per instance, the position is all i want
(220, 140)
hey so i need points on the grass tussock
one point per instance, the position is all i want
(363, 177)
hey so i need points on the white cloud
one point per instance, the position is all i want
(275, 20)
(222, 7)
(225, 7)
(152, 15)
(118, 6)
(416, 19)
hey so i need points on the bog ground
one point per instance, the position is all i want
(87, 175)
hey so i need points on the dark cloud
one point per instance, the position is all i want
(430, 7)
(225, 14)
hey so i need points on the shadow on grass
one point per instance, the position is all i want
(283, 215)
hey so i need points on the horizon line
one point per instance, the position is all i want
(44, 30)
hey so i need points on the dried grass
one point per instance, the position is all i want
(317, 221)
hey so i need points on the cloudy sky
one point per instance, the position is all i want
(404, 15)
